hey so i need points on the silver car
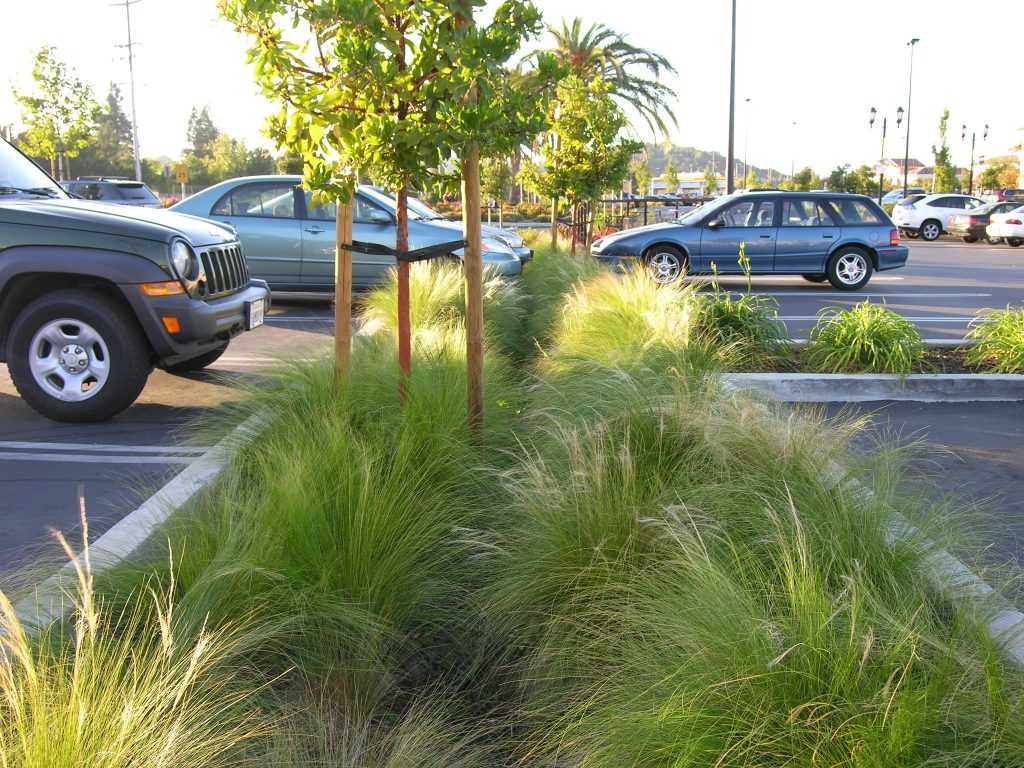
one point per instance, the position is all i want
(289, 241)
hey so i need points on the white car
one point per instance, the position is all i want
(1009, 226)
(926, 215)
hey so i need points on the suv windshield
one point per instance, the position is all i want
(19, 174)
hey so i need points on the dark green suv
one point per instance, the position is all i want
(93, 296)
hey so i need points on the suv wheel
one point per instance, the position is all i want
(930, 230)
(77, 356)
(197, 363)
(849, 269)
(817, 278)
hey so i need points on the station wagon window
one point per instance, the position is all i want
(855, 211)
(276, 201)
(805, 213)
(750, 213)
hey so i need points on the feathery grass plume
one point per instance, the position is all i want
(437, 300)
(547, 280)
(126, 689)
(998, 341)
(869, 338)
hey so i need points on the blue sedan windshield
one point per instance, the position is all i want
(692, 216)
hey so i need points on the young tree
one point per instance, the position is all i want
(110, 153)
(495, 181)
(60, 114)
(803, 181)
(400, 86)
(945, 173)
(710, 182)
(671, 177)
(590, 157)
(642, 174)
(202, 133)
(751, 182)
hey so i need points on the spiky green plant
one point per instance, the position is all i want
(998, 341)
(547, 280)
(869, 338)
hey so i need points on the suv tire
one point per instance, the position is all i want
(849, 269)
(197, 363)
(931, 229)
(77, 356)
(820, 277)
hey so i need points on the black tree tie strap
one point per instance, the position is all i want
(420, 254)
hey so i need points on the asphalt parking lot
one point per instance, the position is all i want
(119, 463)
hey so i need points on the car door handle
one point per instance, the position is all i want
(828, 237)
(315, 230)
(766, 237)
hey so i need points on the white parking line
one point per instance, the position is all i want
(78, 458)
(963, 320)
(833, 294)
(98, 448)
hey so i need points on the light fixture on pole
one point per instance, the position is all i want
(885, 125)
(910, 90)
(963, 135)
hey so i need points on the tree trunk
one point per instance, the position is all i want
(501, 213)
(343, 293)
(516, 162)
(404, 329)
(590, 227)
(574, 208)
(554, 224)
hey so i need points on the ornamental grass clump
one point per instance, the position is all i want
(437, 299)
(870, 338)
(749, 327)
(547, 280)
(998, 341)
(126, 686)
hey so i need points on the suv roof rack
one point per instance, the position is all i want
(103, 178)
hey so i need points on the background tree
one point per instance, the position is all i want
(990, 176)
(1009, 176)
(710, 186)
(751, 182)
(60, 113)
(945, 172)
(110, 152)
(803, 180)
(201, 133)
(633, 75)
(642, 174)
(671, 177)
(495, 182)
(590, 157)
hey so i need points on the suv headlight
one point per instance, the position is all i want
(184, 261)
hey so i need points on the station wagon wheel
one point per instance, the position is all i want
(849, 269)
(931, 230)
(993, 240)
(665, 264)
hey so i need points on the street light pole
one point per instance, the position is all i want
(910, 90)
(730, 169)
(792, 164)
(131, 80)
(746, 135)
(963, 135)
(885, 125)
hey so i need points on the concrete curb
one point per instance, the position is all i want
(866, 387)
(50, 602)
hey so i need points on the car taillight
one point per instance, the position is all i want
(972, 219)
(894, 237)
(1013, 221)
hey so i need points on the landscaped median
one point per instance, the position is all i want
(630, 566)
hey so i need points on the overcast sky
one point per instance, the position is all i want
(818, 64)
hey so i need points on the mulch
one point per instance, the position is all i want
(938, 360)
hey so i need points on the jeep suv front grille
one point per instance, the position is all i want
(225, 268)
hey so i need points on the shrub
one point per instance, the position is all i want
(999, 341)
(748, 327)
(869, 338)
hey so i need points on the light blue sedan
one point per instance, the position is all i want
(290, 243)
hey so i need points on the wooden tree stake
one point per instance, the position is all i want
(474, 271)
(343, 293)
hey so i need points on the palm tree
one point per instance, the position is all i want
(602, 52)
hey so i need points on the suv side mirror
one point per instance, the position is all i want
(379, 217)
(716, 223)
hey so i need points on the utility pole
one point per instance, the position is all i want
(910, 90)
(131, 82)
(730, 167)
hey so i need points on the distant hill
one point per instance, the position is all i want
(691, 160)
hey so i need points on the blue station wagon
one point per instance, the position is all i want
(820, 236)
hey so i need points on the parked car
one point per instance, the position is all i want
(893, 196)
(423, 212)
(113, 190)
(1010, 195)
(972, 226)
(93, 296)
(925, 216)
(832, 236)
(1009, 226)
(290, 242)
